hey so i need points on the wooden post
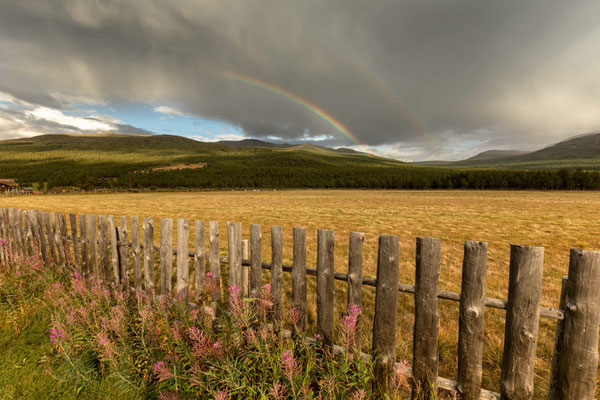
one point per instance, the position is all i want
(166, 255)
(29, 229)
(234, 243)
(148, 227)
(213, 258)
(245, 272)
(92, 246)
(57, 239)
(199, 259)
(183, 262)
(276, 273)
(85, 258)
(575, 361)
(75, 240)
(136, 253)
(123, 245)
(41, 236)
(471, 320)
(50, 237)
(299, 277)
(384, 319)
(103, 241)
(114, 249)
(20, 232)
(425, 339)
(255, 261)
(522, 317)
(325, 276)
(62, 224)
(355, 276)
(558, 341)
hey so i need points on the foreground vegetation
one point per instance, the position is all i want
(115, 161)
(557, 221)
(87, 341)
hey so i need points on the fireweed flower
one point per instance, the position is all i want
(295, 316)
(162, 371)
(349, 327)
(290, 365)
(401, 372)
(265, 303)
(359, 395)
(221, 395)
(56, 335)
(277, 391)
(236, 304)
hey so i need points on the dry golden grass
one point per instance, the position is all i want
(556, 220)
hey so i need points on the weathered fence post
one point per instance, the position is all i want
(199, 259)
(183, 261)
(148, 228)
(355, 276)
(213, 259)
(57, 239)
(276, 272)
(471, 320)
(85, 258)
(74, 240)
(325, 275)
(255, 261)
(50, 236)
(136, 253)
(245, 268)
(299, 295)
(234, 244)
(103, 241)
(575, 361)
(92, 246)
(426, 328)
(114, 249)
(522, 317)
(166, 255)
(123, 253)
(62, 224)
(384, 319)
(39, 225)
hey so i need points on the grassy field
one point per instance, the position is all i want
(556, 220)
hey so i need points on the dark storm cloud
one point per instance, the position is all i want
(419, 77)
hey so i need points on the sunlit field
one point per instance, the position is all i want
(557, 221)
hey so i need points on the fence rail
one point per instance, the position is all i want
(97, 246)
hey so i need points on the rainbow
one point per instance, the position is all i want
(324, 115)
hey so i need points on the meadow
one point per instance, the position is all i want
(557, 221)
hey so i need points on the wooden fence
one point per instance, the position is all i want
(98, 246)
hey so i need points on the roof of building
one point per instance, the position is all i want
(8, 182)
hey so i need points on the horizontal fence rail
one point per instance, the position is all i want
(108, 250)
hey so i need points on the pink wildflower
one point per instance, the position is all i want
(56, 335)
(359, 395)
(277, 391)
(295, 316)
(221, 394)
(167, 395)
(349, 327)
(290, 365)
(162, 371)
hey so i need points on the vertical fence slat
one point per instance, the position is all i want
(522, 317)
(41, 236)
(136, 253)
(426, 328)
(255, 260)
(183, 261)
(558, 339)
(471, 320)
(213, 259)
(166, 255)
(92, 246)
(299, 296)
(384, 319)
(245, 268)
(355, 276)
(114, 249)
(234, 244)
(62, 224)
(123, 253)
(20, 231)
(199, 259)
(575, 361)
(30, 237)
(3, 245)
(103, 241)
(85, 258)
(276, 272)
(57, 239)
(148, 228)
(50, 236)
(75, 241)
(325, 276)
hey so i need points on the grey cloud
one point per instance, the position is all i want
(395, 73)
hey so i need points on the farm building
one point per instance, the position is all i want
(6, 185)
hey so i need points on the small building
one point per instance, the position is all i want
(7, 185)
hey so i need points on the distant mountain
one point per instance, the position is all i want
(586, 146)
(496, 154)
(253, 143)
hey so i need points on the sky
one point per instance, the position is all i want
(412, 80)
